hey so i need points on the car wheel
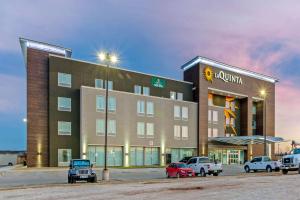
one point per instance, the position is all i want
(69, 180)
(284, 171)
(247, 169)
(177, 175)
(202, 172)
(269, 169)
(95, 179)
(299, 169)
(167, 174)
(216, 174)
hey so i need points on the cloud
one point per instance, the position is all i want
(12, 96)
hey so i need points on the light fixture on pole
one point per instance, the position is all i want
(264, 95)
(108, 59)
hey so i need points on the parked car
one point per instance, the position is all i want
(185, 159)
(179, 169)
(81, 169)
(291, 162)
(261, 163)
(203, 166)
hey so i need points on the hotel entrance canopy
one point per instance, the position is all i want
(244, 140)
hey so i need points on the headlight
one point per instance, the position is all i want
(182, 171)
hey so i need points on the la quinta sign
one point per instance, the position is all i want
(209, 75)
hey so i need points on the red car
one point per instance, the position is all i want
(179, 170)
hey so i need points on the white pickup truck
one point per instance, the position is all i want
(291, 162)
(203, 166)
(262, 163)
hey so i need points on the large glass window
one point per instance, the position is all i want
(141, 107)
(100, 127)
(64, 128)
(137, 89)
(146, 91)
(100, 103)
(114, 155)
(141, 129)
(185, 113)
(99, 83)
(184, 132)
(112, 129)
(136, 156)
(64, 80)
(64, 157)
(150, 129)
(151, 156)
(110, 85)
(177, 132)
(177, 112)
(112, 104)
(150, 108)
(64, 104)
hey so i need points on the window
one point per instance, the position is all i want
(185, 113)
(209, 132)
(111, 129)
(137, 89)
(64, 104)
(64, 157)
(254, 110)
(177, 112)
(215, 116)
(100, 103)
(215, 132)
(64, 128)
(173, 95)
(111, 104)
(100, 127)
(150, 129)
(176, 132)
(140, 107)
(110, 85)
(140, 129)
(99, 83)
(209, 115)
(150, 108)
(179, 96)
(210, 101)
(192, 161)
(184, 132)
(64, 80)
(146, 91)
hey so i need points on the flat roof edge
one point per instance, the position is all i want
(214, 63)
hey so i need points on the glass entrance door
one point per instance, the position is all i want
(233, 157)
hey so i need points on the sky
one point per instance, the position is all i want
(154, 37)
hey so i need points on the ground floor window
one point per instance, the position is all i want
(64, 157)
(151, 156)
(114, 155)
(227, 156)
(136, 156)
(179, 153)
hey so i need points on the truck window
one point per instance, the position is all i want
(193, 160)
(204, 160)
(267, 159)
(296, 151)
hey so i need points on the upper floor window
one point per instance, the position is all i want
(173, 95)
(254, 110)
(100, 103)
(137, 89)
(111, 128)
(209, 132)
(140, 129)
(184, 132)
(141, 107)
(209, 115)
(215, 116)
(99, 83)
(179, 96)
(64, 104)
(64, 128)
(146, 91)
(150, 129)
(112, 104)
(100, 127)
(215, 132)
(177, 112)
(185, 113)
(64, 80)
(150, 108)
(177, 132)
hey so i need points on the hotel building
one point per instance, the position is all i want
(216, 110)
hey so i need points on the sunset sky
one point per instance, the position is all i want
(154, 37)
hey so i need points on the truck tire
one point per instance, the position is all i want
(247, 169)
(299, 169)
(202, 172)
(269, 169)
(69, 180)
(216, 174)
(284, 171)
(95, 179)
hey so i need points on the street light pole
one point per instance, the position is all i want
(108, 58)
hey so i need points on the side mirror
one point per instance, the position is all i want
(70, 166)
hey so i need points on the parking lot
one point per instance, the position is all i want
(151, 184)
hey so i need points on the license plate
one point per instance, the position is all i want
(83, 176)
(190, 174)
